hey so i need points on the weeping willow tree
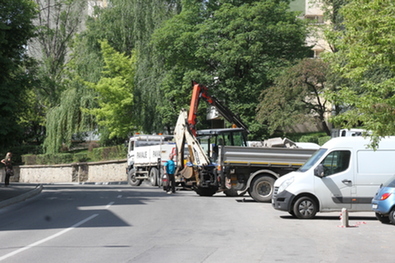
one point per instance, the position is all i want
(127, 25)
(67, 118)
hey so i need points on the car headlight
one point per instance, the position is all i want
(285, 184)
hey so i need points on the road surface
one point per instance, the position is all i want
(120, 223)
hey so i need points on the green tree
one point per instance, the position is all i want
(115, 109)
(366, 59)
(234, 47)
(125, 25)
(296, 97)
(15, 30)
(58, 21)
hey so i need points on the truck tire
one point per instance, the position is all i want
(305, 207)
(153, 176)
(231, 192)
(261, 188)
(131, 178)
(159, 179)
(206, 191)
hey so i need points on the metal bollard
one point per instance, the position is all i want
(344, 218)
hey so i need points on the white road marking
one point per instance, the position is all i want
(110, 204)
(48, 238)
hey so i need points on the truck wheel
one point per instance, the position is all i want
(153, 176)
(131, 178)
(305, 208)
(261, 189)
(159, 179)
(206, 191)
(231, 192)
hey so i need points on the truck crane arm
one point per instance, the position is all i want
(183, 136)
(200, 91)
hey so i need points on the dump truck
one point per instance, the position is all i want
(215, 167)
(146, 155)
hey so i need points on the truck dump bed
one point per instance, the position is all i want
(264, 157)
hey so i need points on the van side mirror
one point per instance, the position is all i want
(319, 170)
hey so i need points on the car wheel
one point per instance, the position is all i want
(305, 207)
(382, 218)
(392, 216)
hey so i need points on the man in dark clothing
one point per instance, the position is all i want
(8, 168)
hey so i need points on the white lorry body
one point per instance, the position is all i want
(344, 173)
(146, 157)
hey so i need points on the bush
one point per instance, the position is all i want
(95, 155)
(323, 140)
(108, 153)
(309, 138)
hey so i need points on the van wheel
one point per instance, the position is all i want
(383, 219)
(132, 178)
(305, 208)
(153, 176)
(392, 216)
(261, 189)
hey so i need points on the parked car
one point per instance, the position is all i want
(383, 203)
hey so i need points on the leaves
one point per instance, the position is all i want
(366, 59)
(232, 47)
(115, 93)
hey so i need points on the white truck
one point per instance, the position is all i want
(146, 156)
(343, 173)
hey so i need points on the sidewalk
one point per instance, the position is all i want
(17, 192)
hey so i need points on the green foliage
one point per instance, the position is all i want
(296, 97)
(58, 22)
(108, 153)
(115, 93)
(67, 118)
(16, 28)
(97, 154)
(232, 47)
(127, 25)
(323, 140)
(366, 59)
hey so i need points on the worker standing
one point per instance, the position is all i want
(169, 170)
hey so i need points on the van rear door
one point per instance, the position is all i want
(373, 169)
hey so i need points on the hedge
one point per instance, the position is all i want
(95, 155)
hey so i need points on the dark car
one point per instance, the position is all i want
(383, 203)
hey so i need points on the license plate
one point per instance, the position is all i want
(374, 206)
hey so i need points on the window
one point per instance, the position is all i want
(336, 162)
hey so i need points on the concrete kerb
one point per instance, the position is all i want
(21, 197)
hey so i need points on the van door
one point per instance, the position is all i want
(334, 188)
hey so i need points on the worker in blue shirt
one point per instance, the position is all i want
(169, 170)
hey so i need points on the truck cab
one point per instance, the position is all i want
(210, 139)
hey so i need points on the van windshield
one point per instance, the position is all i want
(312, 160)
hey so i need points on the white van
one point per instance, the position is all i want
(343, 173)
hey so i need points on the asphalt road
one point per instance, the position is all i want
(119, 223)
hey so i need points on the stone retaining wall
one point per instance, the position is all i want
(108, 171)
